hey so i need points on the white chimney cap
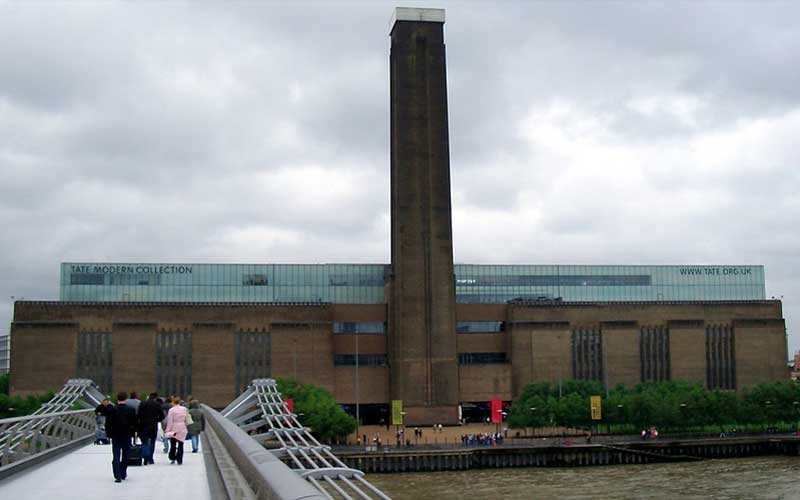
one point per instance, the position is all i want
(415, 14)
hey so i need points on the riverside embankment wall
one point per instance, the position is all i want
(396, 460)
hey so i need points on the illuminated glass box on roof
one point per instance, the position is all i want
(364, 283)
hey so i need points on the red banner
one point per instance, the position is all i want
(497, 411)
(289, 404)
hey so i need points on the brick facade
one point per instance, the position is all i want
(536, 342)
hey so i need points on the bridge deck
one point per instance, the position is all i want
(86, 474)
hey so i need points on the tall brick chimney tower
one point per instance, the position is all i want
(422, 330)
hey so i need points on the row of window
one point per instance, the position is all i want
(362, 360)
(247, 279)
(556, 280)
(260, 279)
(360, 327)
(173, 358)
(379, 327)
(480, 326)
(151, 288)
(374, 279)
(482, 358)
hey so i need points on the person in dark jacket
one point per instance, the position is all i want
(150, 415)
(198, 424)
(100, 436)
(120, 427)
(102, 408)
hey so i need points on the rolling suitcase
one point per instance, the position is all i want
(135, 455)
(100, 436)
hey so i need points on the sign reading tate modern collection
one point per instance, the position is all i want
(132, 269)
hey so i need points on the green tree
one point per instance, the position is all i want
(19, 406)
(670, 406)
(320, 411)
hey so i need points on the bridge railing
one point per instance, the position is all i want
(22, 437)
(262, 412)
(266, 475)
(66, 421)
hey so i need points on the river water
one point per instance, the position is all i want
(740, 478)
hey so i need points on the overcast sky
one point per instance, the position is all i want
(580, 133)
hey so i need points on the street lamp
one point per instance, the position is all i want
(402, 423)
(358, 416)
(683, 415)
(767, 408)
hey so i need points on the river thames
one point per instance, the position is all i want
(741, 478)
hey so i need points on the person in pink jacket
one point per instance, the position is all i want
(176, 431)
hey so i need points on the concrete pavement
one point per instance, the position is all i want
(85, 474)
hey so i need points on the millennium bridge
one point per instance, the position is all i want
(255, 448)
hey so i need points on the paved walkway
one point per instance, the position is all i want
(85, 474)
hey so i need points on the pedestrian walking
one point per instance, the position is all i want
(198, 424)
(165, 407)
(150, 416)
(103, 407)
(100, 436)
(120, 427)
(177, 420)
(133, 401)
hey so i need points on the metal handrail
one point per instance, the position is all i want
(261, 408)
(53, 427)
(11, 420)
(267, 475)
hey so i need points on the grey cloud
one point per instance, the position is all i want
(259, 132)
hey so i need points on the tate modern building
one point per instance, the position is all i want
(443, 338)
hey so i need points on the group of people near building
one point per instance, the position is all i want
(132, 420)
(482, 439)
(651, 433)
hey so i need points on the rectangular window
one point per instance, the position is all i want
(363, 360)
(654, 353)
(134, 279)
(255, 280)
(587, 354)
(94, 359)
(86, 279)
(355, 280)
(359, 327)
(479, 326)
(720, 357)
(482, 358)
(252, 352)
(174, 363)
